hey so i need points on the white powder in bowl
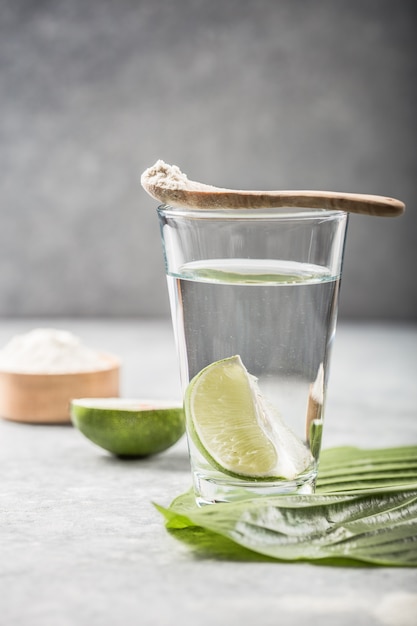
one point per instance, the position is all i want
(49, 351)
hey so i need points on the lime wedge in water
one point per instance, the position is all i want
(234, 428)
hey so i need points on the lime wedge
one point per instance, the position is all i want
(236, 430)
(129, 427)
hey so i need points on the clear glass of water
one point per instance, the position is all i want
(262, 285)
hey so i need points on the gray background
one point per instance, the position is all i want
(256, 94)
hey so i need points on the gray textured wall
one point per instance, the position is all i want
(244, 93)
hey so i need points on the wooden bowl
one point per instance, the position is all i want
(45, 398)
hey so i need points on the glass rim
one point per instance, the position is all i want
(284, 213)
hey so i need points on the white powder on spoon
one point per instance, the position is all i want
(49, 351)
(163, 175)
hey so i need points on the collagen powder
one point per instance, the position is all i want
(164, 175)
(49, 351)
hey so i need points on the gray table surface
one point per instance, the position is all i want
(81, 542)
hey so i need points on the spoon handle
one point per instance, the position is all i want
(216, 198)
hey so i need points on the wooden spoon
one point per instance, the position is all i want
(167, 184)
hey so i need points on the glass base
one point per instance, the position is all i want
(211, 491)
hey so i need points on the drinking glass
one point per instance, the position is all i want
(255, 291)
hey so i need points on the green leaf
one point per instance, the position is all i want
(380, 528)
(354, 524)
(347, 468)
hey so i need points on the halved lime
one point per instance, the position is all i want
(236, 430)
(129, 427)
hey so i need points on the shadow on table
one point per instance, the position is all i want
(168, 461)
